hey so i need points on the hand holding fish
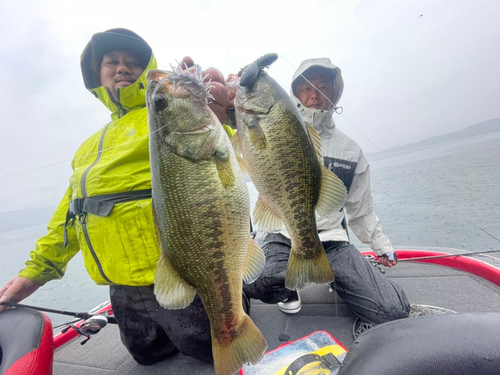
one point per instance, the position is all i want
(232, 81)
(221, 103)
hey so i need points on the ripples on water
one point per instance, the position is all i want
(426, 199)
(423, 198)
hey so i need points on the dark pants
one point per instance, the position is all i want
(366, 291)
(151, 333)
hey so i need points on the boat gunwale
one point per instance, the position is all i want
(481, 268)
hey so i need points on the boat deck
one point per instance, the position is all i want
(424, 284)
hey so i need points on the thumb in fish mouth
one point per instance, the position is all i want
(220, 103)
(186, 62)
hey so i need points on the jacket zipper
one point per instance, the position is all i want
(121, 111)
(83, 220)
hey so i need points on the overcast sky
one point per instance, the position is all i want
(412, 69)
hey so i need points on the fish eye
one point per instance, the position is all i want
(160, 102)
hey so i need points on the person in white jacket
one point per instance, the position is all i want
(317, 86)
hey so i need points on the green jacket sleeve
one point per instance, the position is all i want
(230, 131)
(49, 259)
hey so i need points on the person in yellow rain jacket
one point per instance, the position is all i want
(106, 211)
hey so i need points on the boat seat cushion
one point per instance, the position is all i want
(26, 342)
(453, 344)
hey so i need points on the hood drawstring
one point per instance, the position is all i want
(319, 119)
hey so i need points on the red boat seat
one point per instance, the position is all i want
(452, 344)
(26, 343)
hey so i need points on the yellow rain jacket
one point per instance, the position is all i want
(120, 248)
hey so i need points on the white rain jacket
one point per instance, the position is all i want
(344, 157)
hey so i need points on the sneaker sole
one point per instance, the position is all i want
(290, 311)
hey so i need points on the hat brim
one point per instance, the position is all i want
(104, 42)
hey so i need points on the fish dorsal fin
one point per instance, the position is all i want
(266, 218)
(332, 195)
(171, 290)
(236, 143)
(316, 141)
(254, 263)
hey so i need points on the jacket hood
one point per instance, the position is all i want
(131, 96)
(320, 119)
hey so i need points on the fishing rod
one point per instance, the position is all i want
(456, 255)
(448, 255)
(91, 325)
(81, 315)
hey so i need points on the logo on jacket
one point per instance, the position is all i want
(336, 164)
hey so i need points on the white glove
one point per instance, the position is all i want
(391, 255)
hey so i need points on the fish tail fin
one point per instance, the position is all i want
(302, 271)
(248, 346)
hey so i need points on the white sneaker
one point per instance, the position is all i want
(292, 305)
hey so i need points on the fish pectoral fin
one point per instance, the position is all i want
(256, 134)
(265, 217)
(254, 263)
(236, 143)
(171, 290)
(316, 141)
(245, 168)
(332, 195)
(224, 167)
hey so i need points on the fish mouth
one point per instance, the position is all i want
(205, 128)
(250, 111)
(243, 109)
(255, 112)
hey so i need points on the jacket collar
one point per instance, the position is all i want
(130, 97)
(319, 119)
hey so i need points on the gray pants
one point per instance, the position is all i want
(373, 297)
(151, 333)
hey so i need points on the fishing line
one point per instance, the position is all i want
(447, 255)
(66, 324)
(208, 87)
(90, 154)
(339, 110)
(81, 315)
(489, 234)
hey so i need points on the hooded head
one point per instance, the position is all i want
(317, 86)
(101, 44)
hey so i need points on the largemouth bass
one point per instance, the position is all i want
(202, 215)
(283, 157)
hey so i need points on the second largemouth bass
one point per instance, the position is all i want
(283, 157)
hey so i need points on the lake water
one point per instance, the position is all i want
(423, 198)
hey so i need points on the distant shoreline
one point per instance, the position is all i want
(20, 219)
(480, 128)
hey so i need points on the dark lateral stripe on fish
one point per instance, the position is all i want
(226, 307)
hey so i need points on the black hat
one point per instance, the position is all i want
(101, 43)
(120, 39)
